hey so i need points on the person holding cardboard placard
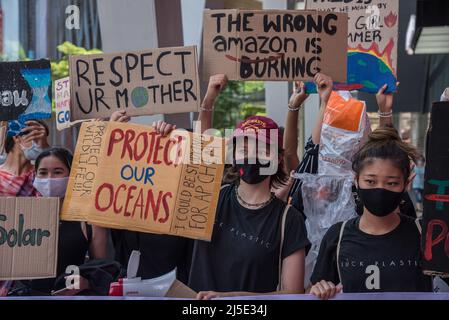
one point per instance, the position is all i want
(159, 254)
(258, 244)
(52, 169)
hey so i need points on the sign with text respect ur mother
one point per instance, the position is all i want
(127, 176)
(274, 44)
(146, 82)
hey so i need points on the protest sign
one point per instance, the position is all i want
(28, 237)
(274, 44)
(372, 41)
(147, 82)
(62, 104)
(435, 233)
(25, 90)
(127, 176)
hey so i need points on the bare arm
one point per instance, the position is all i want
(99, 245)
(385, 104)
(291, 127)
(216, 84)
(324, 86)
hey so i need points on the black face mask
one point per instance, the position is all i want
(380, 202)
(250, 173)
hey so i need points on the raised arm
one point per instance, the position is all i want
(385, 104)
(297, 98)
(216, 84)
(324, 86)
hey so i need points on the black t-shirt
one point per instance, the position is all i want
(244, 252)
(159, 254)
(72, 249)
(373, 263)
(309, 164)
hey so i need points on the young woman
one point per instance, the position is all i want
(52, 170)
(309, 163)
(380, 250)
(250, 252)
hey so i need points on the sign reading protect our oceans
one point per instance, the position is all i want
(25, 92)
(372, 42)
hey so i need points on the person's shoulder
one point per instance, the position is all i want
(335, 229)
(226, 188)
(409, 222)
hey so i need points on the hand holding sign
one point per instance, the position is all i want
(298, 96)
(120, 116)
(163, 127)
(217, 83)
(324, 86)
(385, 100)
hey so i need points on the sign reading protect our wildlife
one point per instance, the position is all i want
(28, 237)
(372, 41)
(147, 82)
(127, 176)
(435, 233)
(274, 44)
(25, 92)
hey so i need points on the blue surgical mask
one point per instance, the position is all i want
(32, 152)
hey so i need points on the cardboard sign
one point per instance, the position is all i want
(147, 82)
(435, 233)
(274, 44)
(25, 92)
(62, 104)
(126, 176)
(372, 41)
(28, 237)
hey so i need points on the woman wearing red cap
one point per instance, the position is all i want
(258, 243)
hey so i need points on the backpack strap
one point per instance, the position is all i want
(418, 225)
(283, 219)
(338, 248)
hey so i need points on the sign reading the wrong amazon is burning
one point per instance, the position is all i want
(274, 44)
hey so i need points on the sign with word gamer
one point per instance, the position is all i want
(372, 41)
(62, 104)
(274, 44)
(435, 233)
(28, 237)
(142, 83)
(127, 176)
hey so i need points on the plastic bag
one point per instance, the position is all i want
(345, 128)
(327, 200)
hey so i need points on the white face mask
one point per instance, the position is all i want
(51, 187)
(32, 152)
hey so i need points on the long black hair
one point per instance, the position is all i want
(385, 143)
(64, 155)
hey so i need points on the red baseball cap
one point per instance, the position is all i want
(259, 127)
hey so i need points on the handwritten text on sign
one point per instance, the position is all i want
(274, 44)
(372, 41)
(143, 183)
(145, 82)
(436, 193)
